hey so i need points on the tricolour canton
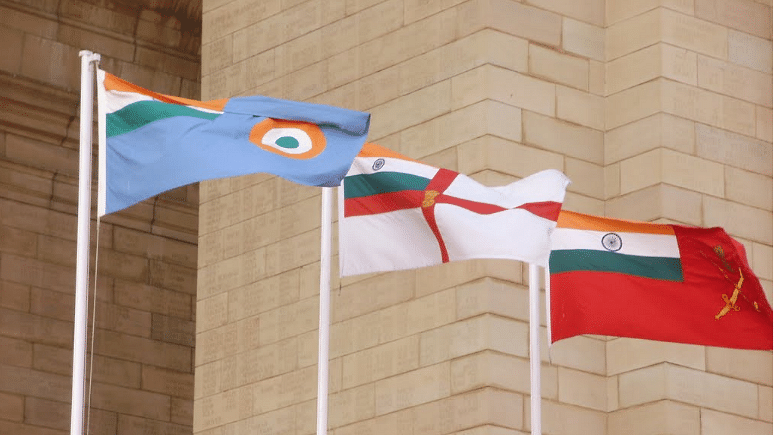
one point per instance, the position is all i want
(150, 142)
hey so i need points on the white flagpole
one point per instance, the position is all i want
(534, 348)
(547, 280)
(325, 312)
(82, 248)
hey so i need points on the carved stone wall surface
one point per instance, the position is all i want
(146, 280)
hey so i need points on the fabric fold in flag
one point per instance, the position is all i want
(397, 213)
(654, 281)
(150, 142)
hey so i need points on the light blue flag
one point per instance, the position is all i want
(151, 143)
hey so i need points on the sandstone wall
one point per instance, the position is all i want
(143, 366)
(657, 110)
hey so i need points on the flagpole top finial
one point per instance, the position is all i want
(93, 57)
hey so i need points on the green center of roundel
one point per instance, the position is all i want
(287, 142)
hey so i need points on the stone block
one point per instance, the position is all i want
(733, 149)
(534, 24)
(489, 152)
(504, 86)
(446, 131)
(597, 78)
(11, 53)
(748, 365)
(349, 406)
(623, 9)
(373, 294)
(561, 137)
(131, 424)
(660, 130)
(182, 412)
(748, 188)
(633, 104)
(694, 34)
(224, 17)
(717, 423)
(492, 369)
(735, 81)
(660, 417)
(472, 335)
(411, 109)
(632, 34)
(764, 403)
(168, 382)
(153, 246)
(707, 107)
(557, 67)
(415, 316)
(144, 350)
(152, 299)
(738, 219)
(583, 389)
(592, 12)
(612, 175)
(413, 388)
(583, 39)
(749, 51)
(263, 295)
(14, 296)
(172, 330)
(41, 155)
(11, 407)
(707, 390)
(31, 327)
(588, 178)
(381, 362)
(560, 418)
(580, 107)
(28, 382)
(581, 352)
(61, 64)
(493, 296)
(628, 354)
(763, 128)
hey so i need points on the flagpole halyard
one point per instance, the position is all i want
(82, 248)
(534, 349)
(325, 311)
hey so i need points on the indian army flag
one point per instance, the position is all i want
(654, 281)
(397, 213)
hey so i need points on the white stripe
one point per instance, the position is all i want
(117, 100)
(645, 245)
(365, 165)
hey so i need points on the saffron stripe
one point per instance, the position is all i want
(373, 150)
(113, 83)
(579, 221)
(141, 113)
(356, 186)
(573, 260)
(383, 203)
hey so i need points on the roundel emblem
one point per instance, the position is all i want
(378, 164)
(612, 242)
(293, 139)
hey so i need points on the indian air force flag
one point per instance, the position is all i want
(654, 281)
(397, 213)
(150, 143)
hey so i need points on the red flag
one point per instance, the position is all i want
(654, 281)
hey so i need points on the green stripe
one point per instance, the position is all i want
(136, 115)
(357, 186)
(571, 260)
